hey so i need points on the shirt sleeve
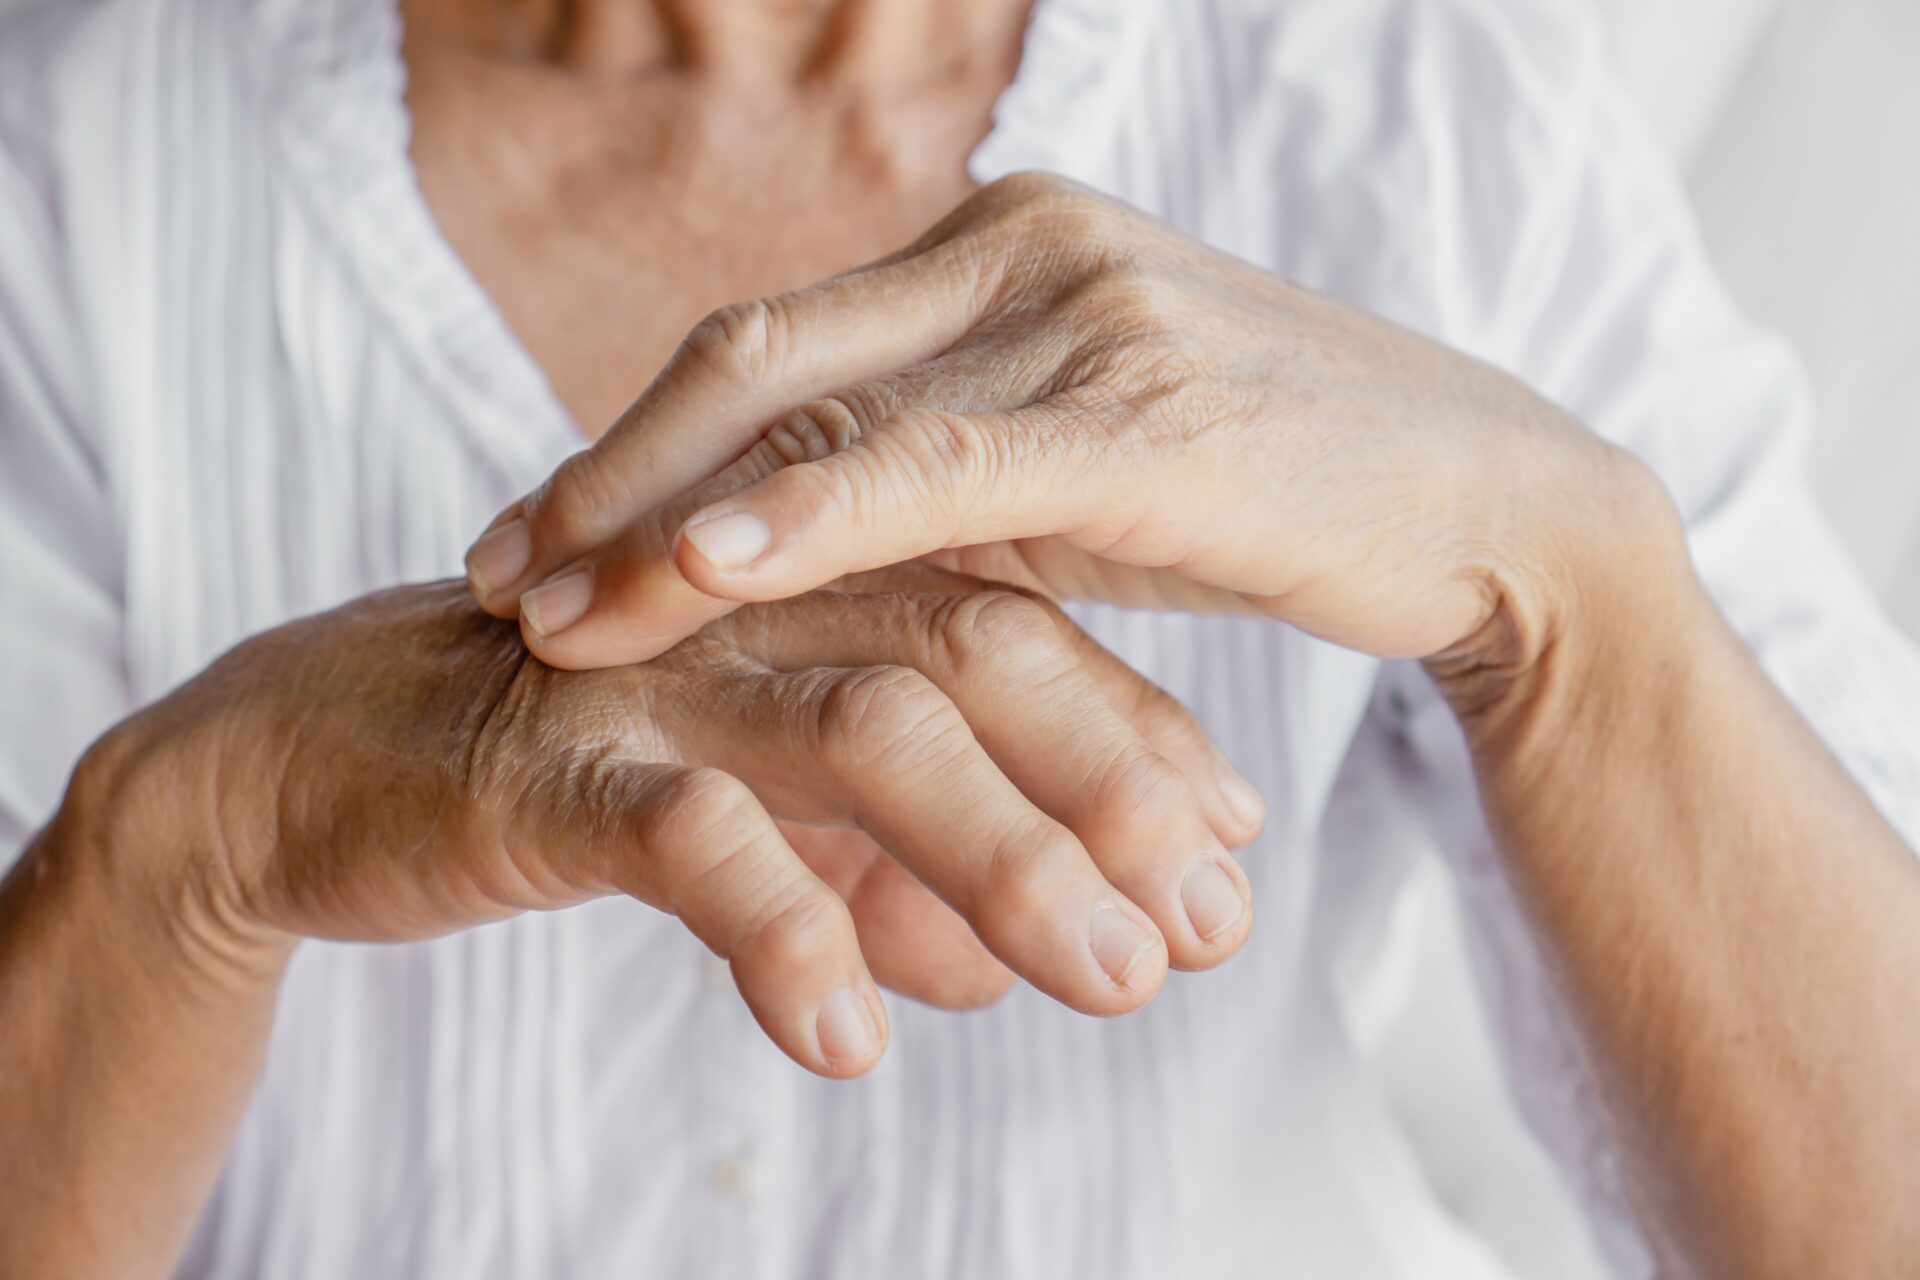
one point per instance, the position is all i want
(1567, 253)
(62, 666)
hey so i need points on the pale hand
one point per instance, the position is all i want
(1055, 390)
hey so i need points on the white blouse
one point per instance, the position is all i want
(243, 377)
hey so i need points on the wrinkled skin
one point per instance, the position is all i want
(1054, 389)
(401, 768)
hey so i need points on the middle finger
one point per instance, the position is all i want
(883, 749)
(1030, 702)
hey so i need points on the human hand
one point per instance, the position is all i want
(1054, 390)
(401, 768)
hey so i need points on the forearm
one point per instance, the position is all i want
(1735, 926)
(134, 1029)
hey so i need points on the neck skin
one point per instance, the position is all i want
(876, 42)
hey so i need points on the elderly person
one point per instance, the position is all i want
(1416, 451)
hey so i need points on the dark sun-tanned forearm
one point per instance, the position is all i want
(1735, 925)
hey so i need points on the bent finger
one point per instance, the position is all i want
(735, 372)
(714, 858)
(1235, 809)
(925, 480)
(626, 600)
(914, 943)
(1054, 734)
(882, 748)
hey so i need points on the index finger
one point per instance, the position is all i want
(736, 371)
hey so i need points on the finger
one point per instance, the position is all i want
(713, 857)
(919, 946)
(732, 375)
(626, 600)
(1234, 808)
(882, 748)
(1052, 732)
(914, 943)
(921, 482)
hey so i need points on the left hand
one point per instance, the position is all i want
(1053, 389)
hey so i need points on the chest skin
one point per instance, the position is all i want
(605, 216)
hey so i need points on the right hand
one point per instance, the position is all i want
(401, 768)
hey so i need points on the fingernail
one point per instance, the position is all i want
(554, 606)
(729, 541)
(1211, 898)
(1118, 942)
(1239, 794)
(500, 557)
(846, 1028)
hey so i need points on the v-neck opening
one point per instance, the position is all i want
(340, 76)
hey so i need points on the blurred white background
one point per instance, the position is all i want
(1797, 123)
(1797, 126)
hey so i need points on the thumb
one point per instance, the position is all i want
(738, 369)
(922, 481)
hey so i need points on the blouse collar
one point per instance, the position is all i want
(333, 78)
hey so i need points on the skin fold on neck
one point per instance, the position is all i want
(879, 42)
(612, 170)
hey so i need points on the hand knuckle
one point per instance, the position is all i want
(793, 929)
(740, 343)
(579, 500)
(1019, 880)
(1140, 791)
(817, 429)
(768, 457)
(1127, 303)
(1019, 226)
(1001, 628)
(1028, 186)
(870, 403)
(1155, 709)
(847, 486)
(874, 712)
(1066, 216)
(933, 454)
(705, 809)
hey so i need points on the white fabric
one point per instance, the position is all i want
(1809, 198)
(242, 377)
(1680, 59)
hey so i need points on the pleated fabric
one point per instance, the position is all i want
(243, 377)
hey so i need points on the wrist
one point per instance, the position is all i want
(140, 836)
(119, 1011)
(1597, 595)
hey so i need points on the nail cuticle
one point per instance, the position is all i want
(846, 1029)
(558, 603)
(500, 556)
(1211, 898)
(1118, 943)
(728, 540)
